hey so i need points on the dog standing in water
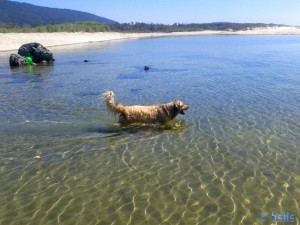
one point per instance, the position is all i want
(144, 114)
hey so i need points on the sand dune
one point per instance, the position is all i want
(12, 41)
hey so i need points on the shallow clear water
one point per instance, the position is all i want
(234, 155)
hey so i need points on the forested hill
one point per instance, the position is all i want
(24, 14)
(24, 17)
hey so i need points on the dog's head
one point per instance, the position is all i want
(179, 107)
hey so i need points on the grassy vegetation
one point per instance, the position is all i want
(65, 27)
(131, 27)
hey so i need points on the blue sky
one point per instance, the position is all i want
(185, 11)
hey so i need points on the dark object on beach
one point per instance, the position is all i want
(85, 60)
(17, 60)
(146, 68)
(37, 52)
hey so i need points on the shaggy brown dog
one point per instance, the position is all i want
(144, 114)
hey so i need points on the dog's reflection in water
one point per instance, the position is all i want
(123, 145)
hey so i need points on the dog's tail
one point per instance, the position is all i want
(109, 99)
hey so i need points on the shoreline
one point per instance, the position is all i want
(10, 42)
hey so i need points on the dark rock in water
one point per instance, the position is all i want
(85, 60)
(146, 68)
(37, 52)
(17, 60)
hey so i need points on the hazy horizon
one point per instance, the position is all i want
(189, 11)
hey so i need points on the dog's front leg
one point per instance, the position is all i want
(123, 118)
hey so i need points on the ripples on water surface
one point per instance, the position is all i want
(234, 155)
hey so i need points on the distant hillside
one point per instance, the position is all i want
(24, 14)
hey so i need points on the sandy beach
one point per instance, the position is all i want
(12, 41)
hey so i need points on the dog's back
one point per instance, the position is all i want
(142, 114)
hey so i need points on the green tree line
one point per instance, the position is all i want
(131, 27)
(181, 27)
